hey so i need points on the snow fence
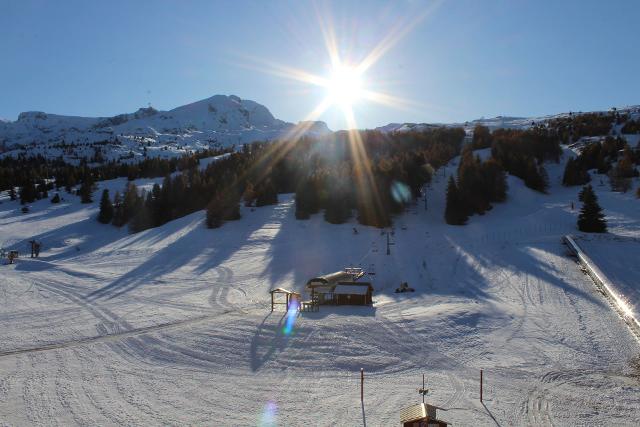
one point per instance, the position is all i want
(604, 286)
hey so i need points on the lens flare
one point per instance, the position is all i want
(400, 192)
(292, 314)
(269, 414)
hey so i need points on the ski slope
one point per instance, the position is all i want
(173, 326)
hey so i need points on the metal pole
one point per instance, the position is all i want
(362, 385)
(480, 385)
(388, 247)
(422, 388)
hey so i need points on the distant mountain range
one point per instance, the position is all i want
(218, 121)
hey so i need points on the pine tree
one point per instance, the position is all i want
(581, 193)
(105, 216)
(141, 219)
(495, 181)
(118, 211)
(214, 212)
(12, 193)
(575, 174)
(591, 218)
(27, 193)
(55, 198)
(302, 202)
(129, 202)
(223, 207)
(266, 194)
(481, 137)
(249, 195)
(338, 210)
(455, 212)
(41, 191)
(85, 192)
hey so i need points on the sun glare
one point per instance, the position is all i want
(345, 86)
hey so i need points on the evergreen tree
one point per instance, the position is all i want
(575, 174)
(249, 195)
(85, 191)
(266, 194)
(141, 219)
(41, 191)
(130, 202)
(495, 181)
(581, 193)
(55, 198)
(214, 212)
(455, 213)
(481, 137)
(223, 207)
(12, 193)
(105, 216)
(338, 208)
(591, 218)
(27, 193)
(118, 211)
(302, 201)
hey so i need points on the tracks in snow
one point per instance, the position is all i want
(114, 336)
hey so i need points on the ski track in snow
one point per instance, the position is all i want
(173, 325)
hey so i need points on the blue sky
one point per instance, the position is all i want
(465, 60)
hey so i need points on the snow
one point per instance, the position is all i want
(218, 121)
(173, 325)
(611, 254)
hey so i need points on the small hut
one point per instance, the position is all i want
(290, 297)
(353, 293)
(420, 415)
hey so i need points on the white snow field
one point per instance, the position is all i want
(172, 326)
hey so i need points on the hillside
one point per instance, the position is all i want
(218, 121)
(172, 325)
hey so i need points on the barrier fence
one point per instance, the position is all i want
(601, 282)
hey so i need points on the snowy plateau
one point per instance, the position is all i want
(173, 325)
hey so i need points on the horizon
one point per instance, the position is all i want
(100, 60)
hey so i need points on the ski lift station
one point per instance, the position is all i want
(341, 288)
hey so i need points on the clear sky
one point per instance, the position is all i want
(464, 60)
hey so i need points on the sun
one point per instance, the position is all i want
(344, 86)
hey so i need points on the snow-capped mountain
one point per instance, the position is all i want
(218, 121)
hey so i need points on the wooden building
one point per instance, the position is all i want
(353, 294)
(290, 298)
(341, 288)
(421, 415)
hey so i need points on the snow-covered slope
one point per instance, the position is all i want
(173, 325)
(212, 122)
(497, 122)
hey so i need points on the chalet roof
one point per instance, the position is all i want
(350, 275)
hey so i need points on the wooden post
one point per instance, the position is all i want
(422, 388)
(272, 302)
(362, 385)
(480, 385)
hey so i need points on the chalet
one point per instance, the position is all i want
(341, 288)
